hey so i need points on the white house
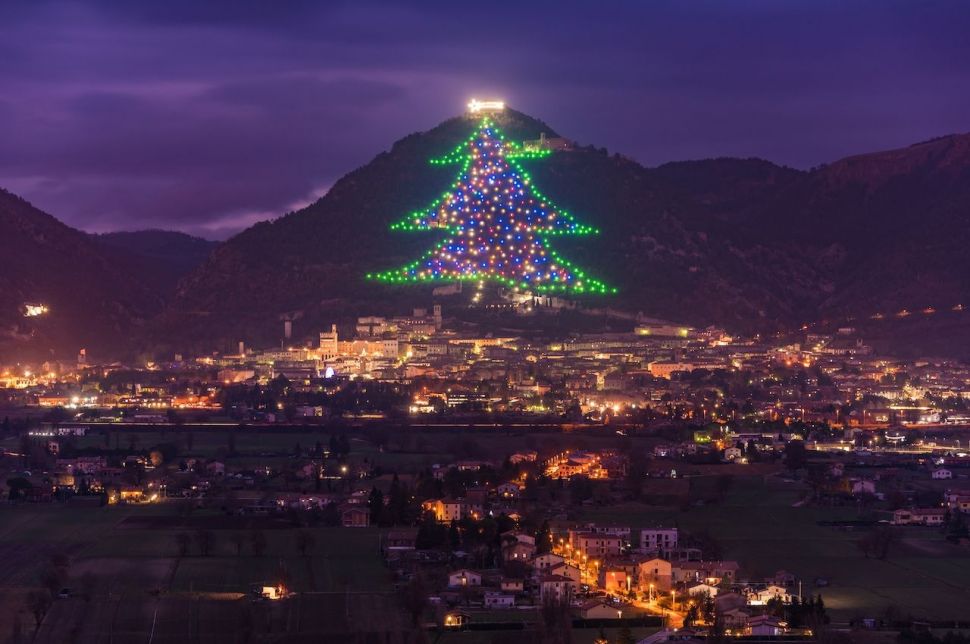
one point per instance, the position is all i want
(464, 578)
(942, 473)
(919, 516)
(546, 561)
(732, 453)
(555, 588)
(702, 589)
(499, 600)
(763, 596)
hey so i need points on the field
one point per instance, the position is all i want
(132, 551)
(760, 522)
(759, 525)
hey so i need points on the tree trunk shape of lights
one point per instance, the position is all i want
(497, 225)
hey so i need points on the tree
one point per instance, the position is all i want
(257, 541)
(555, 622)
(625, 636)
(237, 539)
(375, 503)
(878, 542)
(89, 586)
(182, 542)
(38, 603)
(497, 225)
(416, 598)
(795, 458)
(305, 541)
(19, 488)
(204, 540)
(692, 615)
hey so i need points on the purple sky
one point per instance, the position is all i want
(206, 116)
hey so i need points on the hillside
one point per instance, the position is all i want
(739, 242)
(93, 298)
(160, 257)
(665, 241)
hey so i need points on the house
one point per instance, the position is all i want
(523, 457)
(445, 510)
(464, 578)
(512, 585)
(401, 539)
(517, 546)
(555, 588)
(615, 581)
(355, 518)
(702, 590)
(596, 609)
(919, 516)
(658, 539)
(765, 625)
(958, 501)
(725, 570)
(621, 531)
(784, 578)
(729, 601)
(595, 546)
(545, 561)
(656, 573)
(942, 473)
(499, 600)
(456, 619)
(735, 618)
(509, 490)
(765, 595)
(567, 570)
(710, 572)
(732, 454)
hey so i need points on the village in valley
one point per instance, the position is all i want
(749, 526)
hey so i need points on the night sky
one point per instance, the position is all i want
(206, 117)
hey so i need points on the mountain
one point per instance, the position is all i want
(92, 297)
(889, 229)
(739, 242)
(160, 257)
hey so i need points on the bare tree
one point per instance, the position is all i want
(237, 540)
(182, 541)
(38, 602)
(305, 541)
(257, 540)
(204, 540)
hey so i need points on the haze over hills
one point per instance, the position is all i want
(743, 243)
(738, 242)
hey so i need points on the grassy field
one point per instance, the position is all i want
(138, 555)
(759, 526)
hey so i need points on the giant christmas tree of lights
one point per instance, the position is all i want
(497, 224)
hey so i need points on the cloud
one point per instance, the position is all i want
(207, 116)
